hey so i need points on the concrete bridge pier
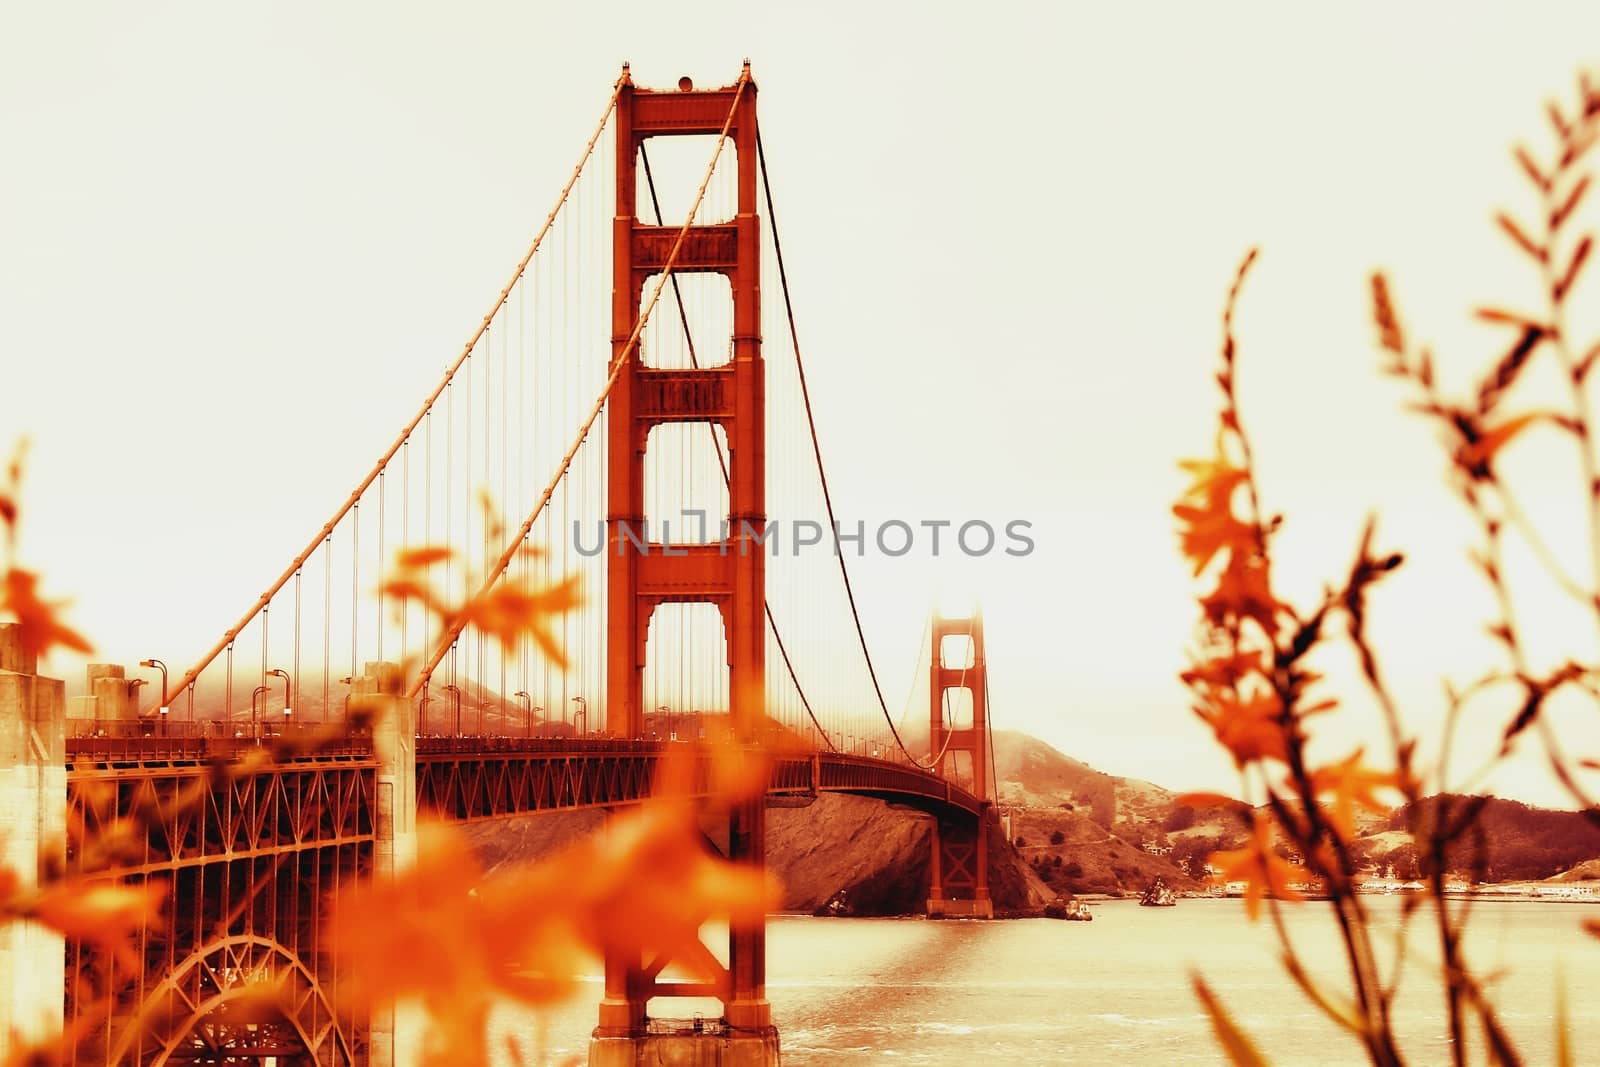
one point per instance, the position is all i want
(397, 1030)
(33, 824)
(687, 1043)
(958, 886)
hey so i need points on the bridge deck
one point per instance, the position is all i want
(489, 777)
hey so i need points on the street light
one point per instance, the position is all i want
(583, 714)
(660, 709)
(287, 695)
(254, 718)
(456, 700)
(483, 717)
(527, 711)
(133, 687)
(163, 668)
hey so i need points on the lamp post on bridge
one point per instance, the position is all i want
(255, 719)
(483, 717)
(581, 715)
(133, 687)
(162, 667)
(527, 711)
(288, 693)
(672, 734)
(455, 700)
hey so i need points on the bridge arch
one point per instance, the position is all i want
(304, 1008)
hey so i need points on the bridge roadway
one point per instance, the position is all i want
(466, 778)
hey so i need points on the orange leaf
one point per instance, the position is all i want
(1564, 211)
(1207, 532)
(1353, 786)
(1509, 225)
(1208, 800)
(41, 628)
(1241, 1052)
(1510, 318)
(1244, 591)
(1214, 479)
(508, 613)
(1228, 669)
(1251, 729)
(1262, 871)
(739, 772)
(104, 913)
(427, 555)
(1530, 168)
(411, 589)
(1481, 453)
(1206, 508)
(1570, 276)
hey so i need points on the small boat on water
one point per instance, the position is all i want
(837, 906)
(1071, 910)
(1158, 895)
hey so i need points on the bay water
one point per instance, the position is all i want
(1116, 991)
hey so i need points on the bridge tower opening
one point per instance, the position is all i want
(959, 878)
(729, 571)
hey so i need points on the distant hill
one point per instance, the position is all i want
(1087, 831)
(1518, 842)
(1033, 774)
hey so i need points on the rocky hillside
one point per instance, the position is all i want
(1085, 831)
(876, 854)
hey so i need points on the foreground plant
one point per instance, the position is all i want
(1251, 683)
(460, 940)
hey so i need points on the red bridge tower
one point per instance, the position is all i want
(730, 573)
(959, 882)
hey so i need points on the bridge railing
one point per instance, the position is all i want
(466, 745)
(125, 742)
(150, 726)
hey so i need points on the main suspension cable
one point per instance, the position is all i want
(427, 406)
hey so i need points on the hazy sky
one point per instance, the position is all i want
(238, 243)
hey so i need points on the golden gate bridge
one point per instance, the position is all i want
(651, 466)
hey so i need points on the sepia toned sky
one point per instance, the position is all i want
(238, 243)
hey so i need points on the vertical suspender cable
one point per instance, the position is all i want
(722, 462)
(621, 361)
(427, 406)
(355, 584)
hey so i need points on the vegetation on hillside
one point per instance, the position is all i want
(1520, 842)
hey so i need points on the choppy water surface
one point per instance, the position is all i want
(849, 992)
